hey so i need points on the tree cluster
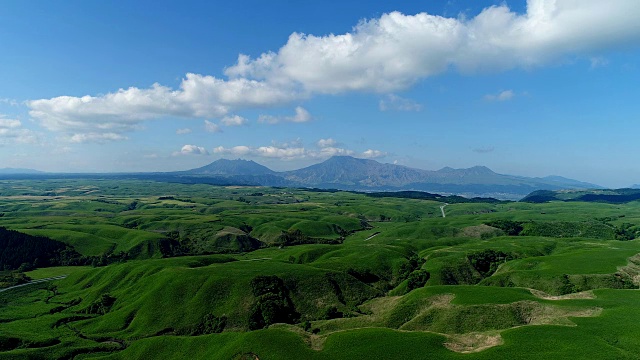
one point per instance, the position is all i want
(272, 305)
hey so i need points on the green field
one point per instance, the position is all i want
(177, 271)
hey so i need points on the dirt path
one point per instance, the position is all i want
(35, 282)
(442, 209)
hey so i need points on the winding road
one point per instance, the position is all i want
(34, 282)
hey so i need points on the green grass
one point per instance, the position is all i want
(56, 271)
(160, 300)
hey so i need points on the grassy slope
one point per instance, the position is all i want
(167, 295)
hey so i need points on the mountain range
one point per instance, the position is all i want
(12, 171)
(349, 173)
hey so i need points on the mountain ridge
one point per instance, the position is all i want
(350, 173)
(12, 171)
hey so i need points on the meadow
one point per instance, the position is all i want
(177, 271)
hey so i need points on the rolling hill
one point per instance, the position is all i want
(615, 196)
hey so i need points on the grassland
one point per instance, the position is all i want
(192, 258)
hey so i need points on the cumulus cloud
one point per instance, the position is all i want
(283, 153)
(392, 52)
(501, 96)
(397, 103)
(211, 127)
(124, 110)
(193, 150)
(385, 55)
(323, 143)
(11, 130)
(327, 152)
(96, 137)
(373, 154)
(296, 151)
(301, 115)
(183, 131)
(234, 120)
(9, 123)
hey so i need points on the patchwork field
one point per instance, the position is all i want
(173, 271)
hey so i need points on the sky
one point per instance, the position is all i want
(531, 88)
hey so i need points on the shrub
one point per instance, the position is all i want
(101, 306)
(210, 324)
(272, 305)
(417, 279)
(486, 262)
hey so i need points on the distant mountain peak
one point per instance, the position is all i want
(347, 158)
(475, 170)
(479, 169)
(232, 167)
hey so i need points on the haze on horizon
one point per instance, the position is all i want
(532, 88)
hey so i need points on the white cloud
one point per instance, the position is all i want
(323, 143)
(96, 137)
(283, 153)
(211, 127)
(327, 152)
(373, 154)
(392, 52)
(9, 123)
(183, 131)
(301, 115)
(192, 150)
(122, 111)
(296, 151)
(395, 102)
(234, 120)
(384, 55)
(10, 102)
(11, 130)
(501, 96)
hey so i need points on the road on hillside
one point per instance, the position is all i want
(372, 236)
(255, 259)
(35, 282)
(442, 209)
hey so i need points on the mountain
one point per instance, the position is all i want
(231, 167)
(349, 173)
(11, 171)
(563, 181)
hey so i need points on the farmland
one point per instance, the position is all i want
(161, 270)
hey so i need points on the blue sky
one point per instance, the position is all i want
(526, 88)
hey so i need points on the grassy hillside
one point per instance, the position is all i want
(198, 271)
